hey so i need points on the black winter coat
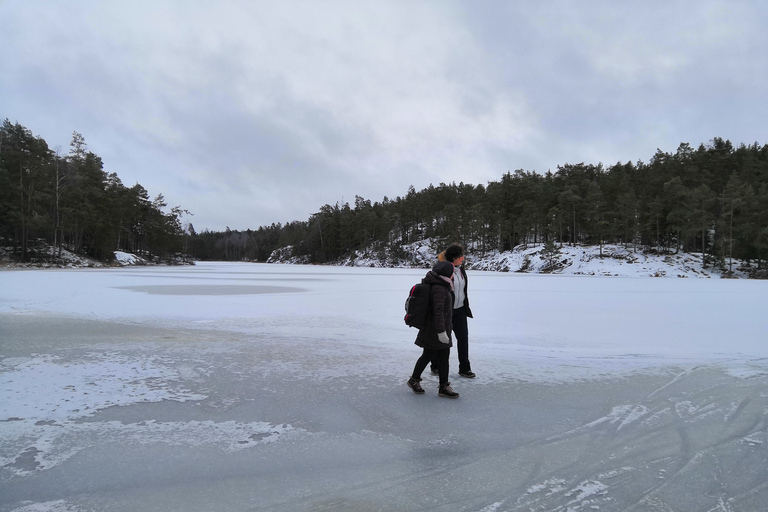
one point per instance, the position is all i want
(440, 316)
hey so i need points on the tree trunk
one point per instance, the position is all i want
(23, 215)
(730, 244)
(573, 234)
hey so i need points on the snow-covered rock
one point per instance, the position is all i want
(43, 255)
(283, 255)
(611, 260)
(125, 259)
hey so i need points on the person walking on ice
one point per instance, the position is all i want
(435, 337)
(461, 311)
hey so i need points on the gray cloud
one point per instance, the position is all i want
(249, 113)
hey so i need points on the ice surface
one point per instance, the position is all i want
(260, 387)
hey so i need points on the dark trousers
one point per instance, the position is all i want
(461, 337)
(440, 358)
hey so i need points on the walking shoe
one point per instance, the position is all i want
(415, 386)
(434, 371)
(470, 374)
(447, 391)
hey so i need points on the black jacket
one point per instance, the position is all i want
(440, 316)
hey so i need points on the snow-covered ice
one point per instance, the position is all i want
(230, 386)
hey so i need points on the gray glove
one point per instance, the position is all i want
(443, 337)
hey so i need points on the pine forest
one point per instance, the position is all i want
(710, 199)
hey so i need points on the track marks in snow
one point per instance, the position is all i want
(740, 407)
(699, 430)
(493, 507)
(673, 381)
(558, 494)
(623, 415)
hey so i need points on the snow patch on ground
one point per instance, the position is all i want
(45, 398)
(48, 506)
(75, 389)
(49, 444)
(586, 490)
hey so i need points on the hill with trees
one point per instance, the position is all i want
(51, 203)
(711, 200)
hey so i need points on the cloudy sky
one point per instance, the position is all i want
(249, 113)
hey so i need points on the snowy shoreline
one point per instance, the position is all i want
(607, 261)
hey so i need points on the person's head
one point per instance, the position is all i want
(455, 254)
(444, 268)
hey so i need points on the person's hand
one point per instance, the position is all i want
(443, 337)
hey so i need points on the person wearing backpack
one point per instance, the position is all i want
(435, 337)
(461, 311)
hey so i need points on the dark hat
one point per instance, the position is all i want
(444, 268)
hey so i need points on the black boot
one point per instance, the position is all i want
(447, 391)
(415, 386)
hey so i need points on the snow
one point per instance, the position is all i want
(237, 386)
(127, 259)
(610, 260)
(43, 257)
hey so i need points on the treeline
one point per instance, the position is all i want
(712, 199)
(71, 203)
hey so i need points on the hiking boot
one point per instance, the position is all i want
(415, 386)
(469, 374)
(434, 371)
(447, 391)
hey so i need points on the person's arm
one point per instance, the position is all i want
(438, 307)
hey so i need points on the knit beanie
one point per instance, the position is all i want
(444, 268)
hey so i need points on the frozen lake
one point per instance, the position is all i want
(230, 386)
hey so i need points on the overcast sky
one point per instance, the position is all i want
(251, 113)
